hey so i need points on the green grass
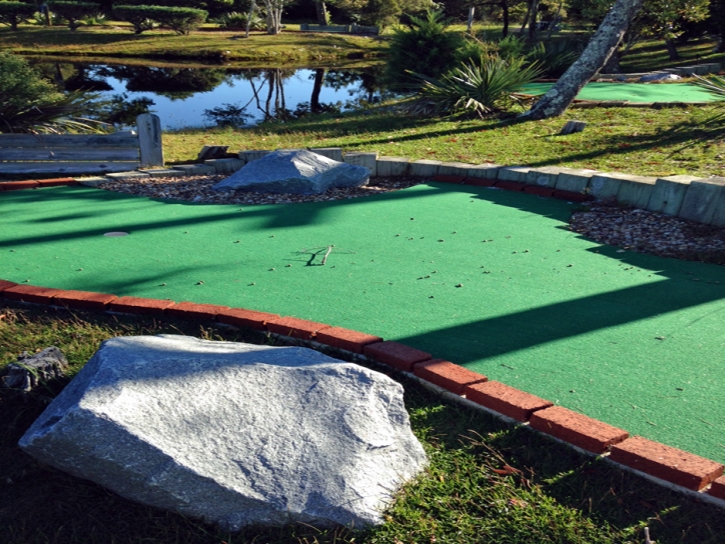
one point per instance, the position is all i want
(116, 41)
(651, 55)
(559, 495)
(633, 140)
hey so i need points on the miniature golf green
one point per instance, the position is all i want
(488, 279)
(634, 92)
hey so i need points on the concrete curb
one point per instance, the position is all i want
(696, 199)
(679, 469)
(667, 194)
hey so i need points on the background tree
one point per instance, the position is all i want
(380, 12)
(717, 23)
(601, 46)
(14, 13)
(273, 11)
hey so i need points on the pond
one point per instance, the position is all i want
(183, 96)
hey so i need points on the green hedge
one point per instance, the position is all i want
(180, 20)
(14, 13)
(74, 12)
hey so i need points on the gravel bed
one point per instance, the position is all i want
(199, 189)
(611, 224)
(643, 231)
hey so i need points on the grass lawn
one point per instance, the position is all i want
(116, 41)
(467, 494)
(634, 140)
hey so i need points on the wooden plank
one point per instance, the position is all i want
(118, 139)
(66, 168)
(65, 154)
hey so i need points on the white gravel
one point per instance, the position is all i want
(629, 229)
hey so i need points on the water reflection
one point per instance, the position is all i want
(190, 97)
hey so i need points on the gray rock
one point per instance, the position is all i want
(659, 76)
(233, 433)
(297, 171)
(32, 370)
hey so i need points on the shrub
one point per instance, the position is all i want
(554, 58)
(511, 47)
(485, 87)
(238, 21)
(424, 47)
(28, 103)
(14, 13)
(181, 20)
(74, 12)
(141, 17)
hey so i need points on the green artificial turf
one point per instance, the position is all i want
(488, 279)
(634, 92)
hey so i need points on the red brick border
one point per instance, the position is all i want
(137, 305)
(447, 375)
(479, 182)
(84, 299)
(506, 185)
(505, 400)
(577, 429)
(31, 293)
(295, 328)
(667, 463)
(4, 284)
(239, 317)
(346, 339)
(192, 310)
(396, 355)
(18, 185)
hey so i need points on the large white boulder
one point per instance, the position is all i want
(232, 433)
(296, 171)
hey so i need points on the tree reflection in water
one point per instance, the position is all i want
(271, 95)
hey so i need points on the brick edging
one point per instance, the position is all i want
(673, 466)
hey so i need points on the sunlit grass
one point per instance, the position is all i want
(641, 141)
(117, 41)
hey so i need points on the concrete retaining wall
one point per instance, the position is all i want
(688, 197)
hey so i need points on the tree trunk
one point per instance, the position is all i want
(598, 50)
(528, 15)
(671, 49)
(505, 8)
(555, 20)
(532, 20)
(321, 9)
(274, 15)
(471, 13)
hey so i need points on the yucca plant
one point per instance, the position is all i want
(60, 116)
(484, 87)
(715, 85)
